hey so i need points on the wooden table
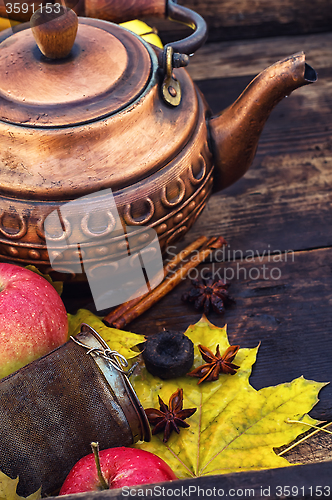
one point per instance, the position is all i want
(283, 206)
(280, 213)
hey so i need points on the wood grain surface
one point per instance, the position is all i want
(284, 200)
(308, 479)
(119, 11)
(240, 19)
(281, 212)
(249, 57)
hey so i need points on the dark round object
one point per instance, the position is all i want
(168, 354)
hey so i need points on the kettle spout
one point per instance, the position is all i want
(235, 132)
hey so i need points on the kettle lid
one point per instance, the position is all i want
(107, 69)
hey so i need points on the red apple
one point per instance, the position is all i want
(120, 467)
(33, 319)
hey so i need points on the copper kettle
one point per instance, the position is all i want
(104, 110)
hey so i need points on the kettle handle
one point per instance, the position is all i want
(175, 54)
(190, 18)
(119, 11)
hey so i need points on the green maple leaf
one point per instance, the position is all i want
(235, 427)
(8, 489)
(118, 340)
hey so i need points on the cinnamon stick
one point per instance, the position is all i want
(168, 284)
(121, 309)
(181, 256)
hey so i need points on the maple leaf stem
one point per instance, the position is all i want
(191, 474)
(288, 421)
(199, 433)
(318, 429)
(95, 450)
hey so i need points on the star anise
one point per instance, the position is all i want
(207, 292)
(215, 363)
(169, 419)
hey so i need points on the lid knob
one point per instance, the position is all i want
(54, 28)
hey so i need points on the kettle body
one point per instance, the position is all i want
(116, 114)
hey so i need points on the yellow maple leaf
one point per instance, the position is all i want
(8, 489)
(143, 30)
(118, 340)
(235, 427)
(7, 23)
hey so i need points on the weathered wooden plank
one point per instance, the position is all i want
(249, 57)
(239, 19)
(302, 482)
(285, 199)
(316, 447)
(298, 482)
(284, 305)
(272, 209)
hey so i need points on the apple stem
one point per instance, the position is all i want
(95, 450)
